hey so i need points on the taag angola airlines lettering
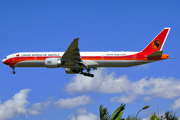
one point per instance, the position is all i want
(75, 62)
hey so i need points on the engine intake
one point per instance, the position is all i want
(52, 62)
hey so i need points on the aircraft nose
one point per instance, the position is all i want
(3, 60)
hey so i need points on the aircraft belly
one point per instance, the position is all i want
(33, 63)
(120, 63)
(100, 63)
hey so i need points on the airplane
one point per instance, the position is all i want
(75, 62)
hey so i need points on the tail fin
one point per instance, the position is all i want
(158, 42)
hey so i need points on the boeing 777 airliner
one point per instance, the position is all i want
(75, 61)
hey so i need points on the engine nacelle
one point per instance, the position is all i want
(52, 62)
(69, 71)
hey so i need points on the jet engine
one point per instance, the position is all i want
(52, 62)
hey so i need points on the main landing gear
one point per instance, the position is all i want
(83, 73)
(88, 74)
(13, 72)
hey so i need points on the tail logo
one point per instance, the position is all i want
(156, 44)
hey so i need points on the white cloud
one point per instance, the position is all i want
(73, 102)
(82, 114)
(84, 84)
(38, 108)
(176, 104)
(147, 99)
(109, 83)
(15, 106)
(18, 105)
(158, 87)
(123, 99)
(101, 82)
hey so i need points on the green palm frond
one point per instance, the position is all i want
(169, 115)
(118, 112)
(131, 117)
(154, 117)
(104, 114)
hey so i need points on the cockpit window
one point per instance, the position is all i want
(5, 57)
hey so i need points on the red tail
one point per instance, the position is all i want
(157, 43)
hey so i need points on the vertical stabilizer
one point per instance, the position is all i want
(158, 42)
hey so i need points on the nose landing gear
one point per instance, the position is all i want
(13, 72)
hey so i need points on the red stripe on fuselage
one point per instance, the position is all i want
(139, 56)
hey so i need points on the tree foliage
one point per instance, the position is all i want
(154, 117)
(104, 114)
(118, 112)
(169, 115)
(130, 117)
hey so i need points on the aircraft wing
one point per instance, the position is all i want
(72, 55)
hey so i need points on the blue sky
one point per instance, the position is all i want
(43, 26)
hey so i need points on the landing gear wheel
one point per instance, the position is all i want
(88, 74)
(13, 72)
(91, 75)
(85, 74)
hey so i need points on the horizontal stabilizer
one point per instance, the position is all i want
(156, 54)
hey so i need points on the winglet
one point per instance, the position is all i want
(158, 42)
